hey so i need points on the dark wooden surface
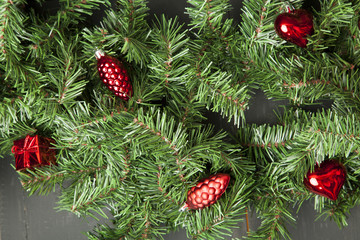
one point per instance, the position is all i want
(34, 218)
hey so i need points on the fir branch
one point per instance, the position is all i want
(162, 190)
(17, 71)
(207, 14)
(137, 219)
(167, 61)
(43, 181)
(207, 17)
(63, 71)
(124, 29)
(73, 12)
(258, 20)
(160, 183)
(82, 195)
(189, 113)
(268, 143)
(338, 211)
(273, 196)
(334, 15)
(328, 79)
(169, 70)
(156, 131)
(23, 116)
(217, 221)
(326, 135)
(216, 92)
(44, 176)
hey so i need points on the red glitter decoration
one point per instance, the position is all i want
(113, 73)
(207, 191)
(294, 26)
(33, 151)
(327, 179)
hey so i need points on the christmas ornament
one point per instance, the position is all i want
(113, 73)
(294, 26)
(207, 191)
(327, 179)
(33, 152)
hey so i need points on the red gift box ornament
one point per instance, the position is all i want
(327, 179)
(33, 151)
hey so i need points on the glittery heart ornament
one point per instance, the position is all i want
(294, 26)
(326, 179)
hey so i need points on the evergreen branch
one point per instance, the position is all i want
(338, 211)
(79, 123)
(46, 180)
(92, 201)
(139, 218)
(207, 17)
(179, 163)
(134, 11)
(23, 116)
(125, 29)
(160, 182)
(63, 73)
(165, 139)
(73, 12)
(106, 232)
(17, 71)
(188, 113)
(207, 14)
(273, 196)
(335, 128)
(83, 196)
(128, 24)
(42, 40)
(162, 190)
(326, 135)
(258, 20)
(167, 62)
(16, 109)
(266, 142)
(334, 15)
(273, 224)
(215, 91)
(154, 130)
(217, 221)
(169, 71)
(42, 181)
(327, 80)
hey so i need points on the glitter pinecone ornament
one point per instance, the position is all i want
(113, 73)
(207, 191)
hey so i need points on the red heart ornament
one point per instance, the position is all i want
(327, 179)
(294, 26)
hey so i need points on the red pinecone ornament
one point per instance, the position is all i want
(327, 179)
(207, 191)
(113, 73)
(294, 26)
